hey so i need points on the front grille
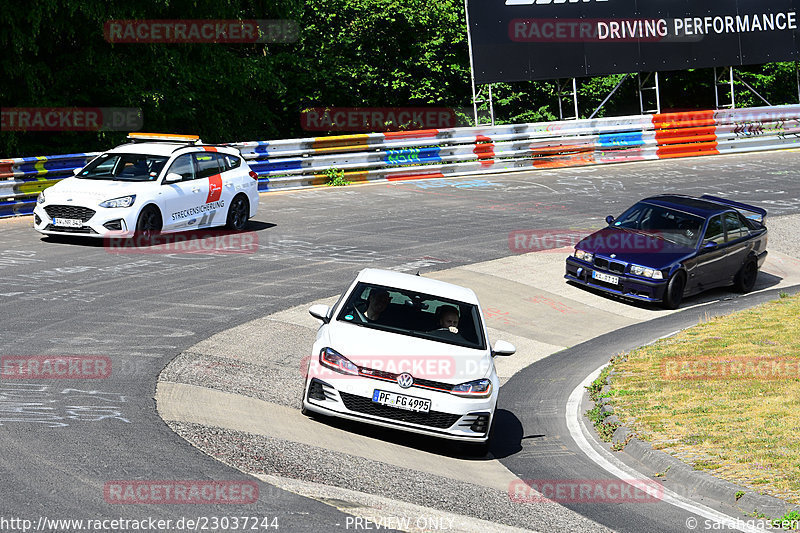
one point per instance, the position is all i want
(434, 419)
(69, 211)
(612, 266)
(84, 229)
(617, 267)
(418, 382)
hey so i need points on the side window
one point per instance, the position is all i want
(207, 164)
(735, 227)
(715, 232)
(227, 161)
(233, 162)
(184, 166)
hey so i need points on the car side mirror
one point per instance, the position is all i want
(709, 245)
(172, 177)
(76, 171)
(503, 348)
(320, 312)
(609, 220)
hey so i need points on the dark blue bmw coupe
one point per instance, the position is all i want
(670, 246)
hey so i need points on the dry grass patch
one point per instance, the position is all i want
(723, 396)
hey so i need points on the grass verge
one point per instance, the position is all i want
(723, 396)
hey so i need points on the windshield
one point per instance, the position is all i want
(669, 224)
(124, 167)
(414, 314)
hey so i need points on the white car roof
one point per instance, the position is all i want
(163, 148)
(390, 278)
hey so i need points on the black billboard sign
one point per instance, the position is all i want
(517, 40)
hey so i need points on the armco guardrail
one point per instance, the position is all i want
(298, 163)
(24, 177)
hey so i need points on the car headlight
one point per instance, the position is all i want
(480, 388)
(335, 361)
(646, 272)
(122, 201)
(584, 256)
(40, 198)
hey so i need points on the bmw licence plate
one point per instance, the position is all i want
(401, 401)
(68, 222)
(605, 277)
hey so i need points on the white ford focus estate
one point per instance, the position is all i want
(158, 183)
(406, 352)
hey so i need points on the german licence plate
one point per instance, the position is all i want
(68, 222)
(401, 401)
(605, 277)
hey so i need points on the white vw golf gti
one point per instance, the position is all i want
(406, 352)
(157, 183)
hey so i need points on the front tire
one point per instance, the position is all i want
(149, 223)
(745, 279)
(238, 213)
(673, 294)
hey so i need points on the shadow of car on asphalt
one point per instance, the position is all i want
(506, 437)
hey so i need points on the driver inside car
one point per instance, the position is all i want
(448, 318)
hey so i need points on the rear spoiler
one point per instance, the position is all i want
(758, 213)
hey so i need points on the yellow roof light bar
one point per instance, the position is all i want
(164, 137)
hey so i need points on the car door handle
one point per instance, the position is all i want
(196, 189)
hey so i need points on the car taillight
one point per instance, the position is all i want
(253, 175)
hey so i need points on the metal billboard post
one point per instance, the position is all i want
(624, 77)
(797, 77)
(471, 65)
(574, 94)
(655, 88)
(718, 81)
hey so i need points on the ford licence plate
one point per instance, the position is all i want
(68, 222)
(401, 401)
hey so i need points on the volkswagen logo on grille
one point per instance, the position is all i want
(405, 380)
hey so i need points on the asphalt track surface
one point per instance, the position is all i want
(62, 440)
